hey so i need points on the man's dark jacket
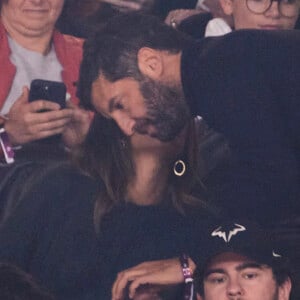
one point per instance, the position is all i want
(246, 85)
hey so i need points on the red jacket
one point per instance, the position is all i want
(69, 53)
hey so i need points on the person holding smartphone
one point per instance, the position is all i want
(31, 48)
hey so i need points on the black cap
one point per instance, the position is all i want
(242, 237)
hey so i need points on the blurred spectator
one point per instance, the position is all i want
(262, 14)
(31, 48)
(75, 15)
(132, 5)
(81, 17)
(15, 284)
(246, 14)
(209, 9)
(162, 7)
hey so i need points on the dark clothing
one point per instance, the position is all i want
(162, 7)
(83, 26)
(31, 162)
(195, 25)
(51, 235)
(246, 86)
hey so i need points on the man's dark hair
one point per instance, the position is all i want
(281, 272)
(15, 284)
(112, 50)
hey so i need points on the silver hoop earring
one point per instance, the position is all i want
(179, 167)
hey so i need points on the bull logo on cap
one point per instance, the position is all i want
(227, 237)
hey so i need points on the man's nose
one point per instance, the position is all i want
(234, 288)
(126, 124)
(273, 10)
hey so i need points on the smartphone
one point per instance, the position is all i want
(48, 90)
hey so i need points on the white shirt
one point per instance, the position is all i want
(216, 27)
(30, 65)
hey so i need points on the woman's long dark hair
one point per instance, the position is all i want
(106, 156)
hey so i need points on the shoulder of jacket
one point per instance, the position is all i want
(67, 40)
(72, 40)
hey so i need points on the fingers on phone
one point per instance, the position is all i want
(43, 105)
(48, 133)
(48, 129)
(50, 117)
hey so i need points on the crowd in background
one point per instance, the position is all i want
(96, 209)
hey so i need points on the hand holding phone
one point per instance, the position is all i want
(26, 124)
(48, 90)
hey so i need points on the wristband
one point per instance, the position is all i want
(6, 147)
(186, 270)
(188, 277)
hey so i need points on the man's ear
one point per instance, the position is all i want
(150, 62)
(227, 6)
(285, 290)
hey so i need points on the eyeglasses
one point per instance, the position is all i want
(287, 8)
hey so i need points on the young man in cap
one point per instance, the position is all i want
(239, 261)
(242, 263)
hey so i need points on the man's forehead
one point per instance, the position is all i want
(108, 88)
(101, 84)
(106, 93)
(102, 90)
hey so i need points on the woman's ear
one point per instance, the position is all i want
(150, 62)
(227, 6)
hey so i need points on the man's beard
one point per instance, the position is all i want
(167, 110)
